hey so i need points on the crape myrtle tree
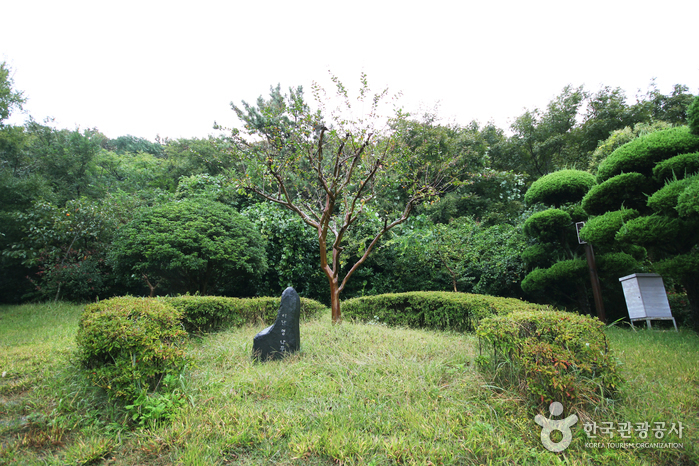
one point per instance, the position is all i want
(334, 168)
(655, 176)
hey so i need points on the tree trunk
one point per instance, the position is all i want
(335, 300)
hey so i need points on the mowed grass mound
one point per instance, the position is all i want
(355, 394)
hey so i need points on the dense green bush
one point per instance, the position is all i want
(688, 201)
(550, 355)
(678, 166)
(601, 230)
(210, 313)
(652, 230)
(127, 345)
(193, 245)
(664, 200)
(431, 309)
(642, 154)
(623, 190)
(538, 255)
(560, 187)
(561, 274)
(547, 225)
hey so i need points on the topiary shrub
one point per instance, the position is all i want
(563, 273)
(688, 200)
(601, 230)
(642, 154)
(211, 313)
(547, 225)
(431, 309)
(679, 166)
(538, 255)
(625, 190)
(650, 230)
(549, 355)
(127, 345)
(664, 200)
(560, 187)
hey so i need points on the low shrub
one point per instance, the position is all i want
(431, 309)
(129, 344)
(211, 313)
(549, 355)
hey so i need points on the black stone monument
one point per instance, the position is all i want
(283, 336)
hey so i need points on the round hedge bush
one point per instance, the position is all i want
(642, 154)
(601, 230)
(547, 225)
(560, 187)
(567, 271)
(688, 200)
(127, 345)
(677, 167)
(664, 200)
(625, 190)
(538, 255)
(650, 230)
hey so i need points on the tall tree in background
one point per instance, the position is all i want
(332, 168)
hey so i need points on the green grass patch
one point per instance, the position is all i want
(355, 394)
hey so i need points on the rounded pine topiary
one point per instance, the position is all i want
(625, 190)
(127, 345)
(547, 225)
(688, 201)
(601, 230)
(567, 271)
(677, 167)
(642, 154)
(664, 200)
(560, 187)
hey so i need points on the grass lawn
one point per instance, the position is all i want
(355, 394)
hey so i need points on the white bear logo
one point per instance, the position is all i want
(549, 425)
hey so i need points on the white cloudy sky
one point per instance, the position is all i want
(172, 68)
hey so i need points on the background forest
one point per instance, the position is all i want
(84, 216)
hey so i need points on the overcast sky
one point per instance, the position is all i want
(172, 68)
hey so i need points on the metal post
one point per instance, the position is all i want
(596, 290)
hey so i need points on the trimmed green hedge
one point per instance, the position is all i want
(623, 190)
(664, 200)
(560, 187)
(548, 224)
(642, 154)
(440, 310)
(567, 271)
(601, 230)
(679, 166)
(560, 356)
(211, 313)
(129, 344)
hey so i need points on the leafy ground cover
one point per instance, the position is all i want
(363, 394)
